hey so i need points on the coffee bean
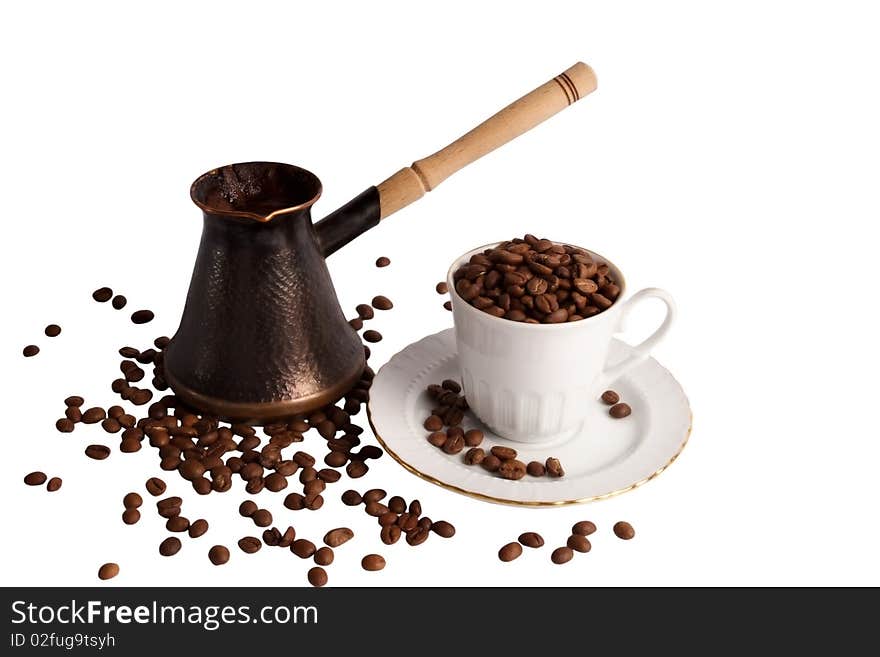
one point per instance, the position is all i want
(177, 524)
(64, 425)
(286, 539)
(583, 528)
(54, 484)
(75, 400)
(250, 544)
(561, 555)
(317, 576)
(364, 311)
(373, 562)
(356, 469)
(303, 548)
(93, 415)
(370, 452)
(390, 534)
(351, 498)
(168, 505)
(491, 463)
(170, 546)
(324, 556)
(474, 456)
(295, 502)
(382, 261)
(375, 509)
(624, 530)
(30, 350)
(276, 482)
(447, 305)
(579, 543)
(536, 469)
(382, 303)
(372, 336)
(155, 486)
(443, 528)
(198, 528)
(453, 444)
(619, 411)
(102, 294)
(52, 330)
(73, 413)
(218, 554)
(512, 469)
(554, 467)
(111, 425)
(35, 479)
(142, 317)
(531, 539)
(97, 452)
(442, 287)
(131, 516)
(119, 302)
(417, 536)
(433, 423)
(473, 438)
(262, 518)
(415, 508)
(132, 501)
(437, 438)
(510, 552)
(504, 453)
(108, 571)
(610, 397)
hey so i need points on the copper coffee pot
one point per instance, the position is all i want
(262, 335)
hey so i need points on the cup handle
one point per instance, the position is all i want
(642, 350)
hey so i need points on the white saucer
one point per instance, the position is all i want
(604, 457)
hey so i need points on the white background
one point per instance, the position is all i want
(730, 156)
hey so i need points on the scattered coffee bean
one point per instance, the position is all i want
(102, 294)
(35, 478)
(65, 425)
(75, 401)
(250, 544)
(473, 438)
(155, 486)
(131, 516)
(372, 336)
(73, 413)
(247, 508)
(54, 484)
(437, 438)
(142, 316)
(442, 287)
(382, 261)
(433, 423)
(373, 562)
(97, 452)
(324, 556)
(177, 524)
(491, 463)
(111, 425)
(52, 330)
(583, 528)
(197, 528)
(303, 548)
(108, 571)
(554, 467)
(443, 528)
(132, 501)
(610, 397)
(453, 444)
(286, 539)
(561, 555)
(579, 543)
(510, 552)
(262, 518)
(218, 554)
(317, 576)
(93, 415)
(512, 469)
(504, 453)
(119, 302)
(624, 530)
(351, 498)
(474, 456)
(170, 546)
(536, 469)
(447, 305)
(531, 539)
(356, 469)
(619, 411)
(30, 350)
(382, 303)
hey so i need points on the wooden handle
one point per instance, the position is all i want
(411, 183)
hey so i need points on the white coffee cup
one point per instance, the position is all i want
(534, 382)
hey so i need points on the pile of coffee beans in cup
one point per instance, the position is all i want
(447, 435)
(536, 281)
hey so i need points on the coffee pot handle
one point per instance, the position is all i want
(641, 351)
(412, 182)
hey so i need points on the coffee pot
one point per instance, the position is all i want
(262, 336)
